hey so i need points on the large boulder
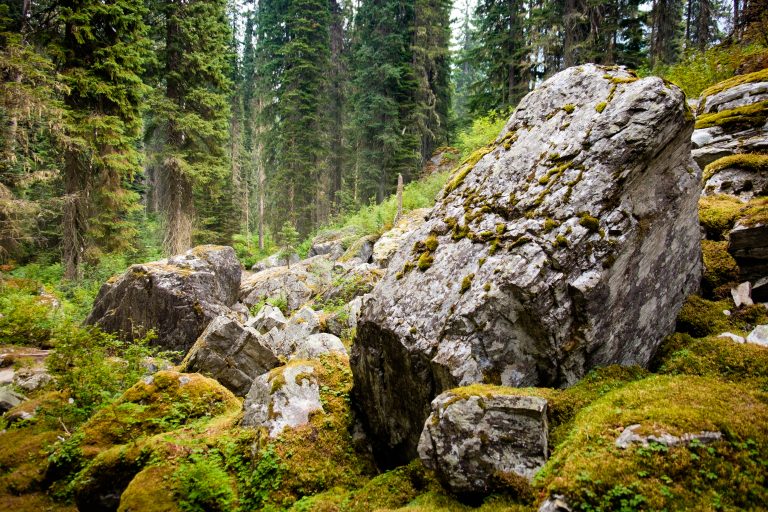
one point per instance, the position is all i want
(230, 353)
(476, 441)
(295, 285)
(176, 298)
(569, 243)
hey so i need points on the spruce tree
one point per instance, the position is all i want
(190, 115)
(102, 52)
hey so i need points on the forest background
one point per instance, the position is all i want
(135, 128)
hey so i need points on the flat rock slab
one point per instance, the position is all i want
(470, 440)
(569, 243)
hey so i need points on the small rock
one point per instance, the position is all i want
(30, 379)
(317, 345)
(266, 319)
(742, 294)
(629, 437)
(555, 503)
(184, 380)
(469, 440)
(9, 399)
(735, 337)
(759, 336)
(276, 260)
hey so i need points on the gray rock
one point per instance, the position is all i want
(735, 181)
(760, 290)
(555, 503)
(733, 337)
(469, 440)
(332, 243)
(749, 247)
(266, 319)
(9, 399)
(628, 437)
(742, 294)
(360, 251)
(230, 353)
(391, 241)
(316, 345)
(176, 298)
(285, 397)
(734, 97)
(276, 260)
(725, 144)
(345, 319)
(571, 244)
(296, 284)
(759, 336)
(31, 379)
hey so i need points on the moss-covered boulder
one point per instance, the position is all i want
(176, 298)
(568, 243)
(593, 473)
(159, 403)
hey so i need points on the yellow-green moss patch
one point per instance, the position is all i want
(465, 167)
(718, 214)
(748, 116)
(720, 269)
(601, 106)
(748, 161)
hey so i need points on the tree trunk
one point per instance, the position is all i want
(73, 225)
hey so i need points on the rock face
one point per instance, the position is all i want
(470, 441)
(283, 398)
(231, 353)
(569, 243)
(391, 241)
(176, 297)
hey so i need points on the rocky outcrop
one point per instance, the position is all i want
(176, 298)
(569, 243)
(296, 284)
(473, 441)
(391, 241)
(731, 119)
(285, 397)
(230, 353)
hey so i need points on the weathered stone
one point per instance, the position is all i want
(571, 243)
(555, 503)
(285, 397)
(31, 379)
(350, 282)
(318, 344)
(469, 440)
(176, 297)
(276, 260)
(230, 353)
(266, 319)
(9, 399)
(360, 251)
(759, 336)
(332, 243)
(734, 97)
(735, 181)
(391, 241)
(749, 247)
(742, 294)
(442, 160)
(345, 319)
(628, 437)
(296, 284)
(725, 144)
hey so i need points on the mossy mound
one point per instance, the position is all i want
(755, 213)
(700, 317)
(757, 76)
(740, 118)
(718, 214)
(596, 475)
(150, 490)
(316, 457)
(680, 354)
(160, 403)
(746, 161)
(23, 460)
(720, 269)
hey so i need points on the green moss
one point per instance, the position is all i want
(718, 214)
(550, 224)
(747, 161)
(720, 269)
(431, 242)
(700, 317)
(150, 490)
(560, 241)
(465, 167)
(595, 475)
(758, 76)
(591, 223)
(466, 283)
(487, 287)
(756, 212)
(601, 106)
(569, 108)
(748, 116)
(392, 489)
(425, 261)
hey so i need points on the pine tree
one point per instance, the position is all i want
(190, 115)
(102, 52)
(665, 16)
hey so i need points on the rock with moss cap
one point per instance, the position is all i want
(176, 297)
(569, 243)
(476, 441)
(294, 285)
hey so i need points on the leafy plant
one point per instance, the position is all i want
(202, 485)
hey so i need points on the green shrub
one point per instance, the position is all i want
(202, 485)
(483, 131)
(26, 319)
